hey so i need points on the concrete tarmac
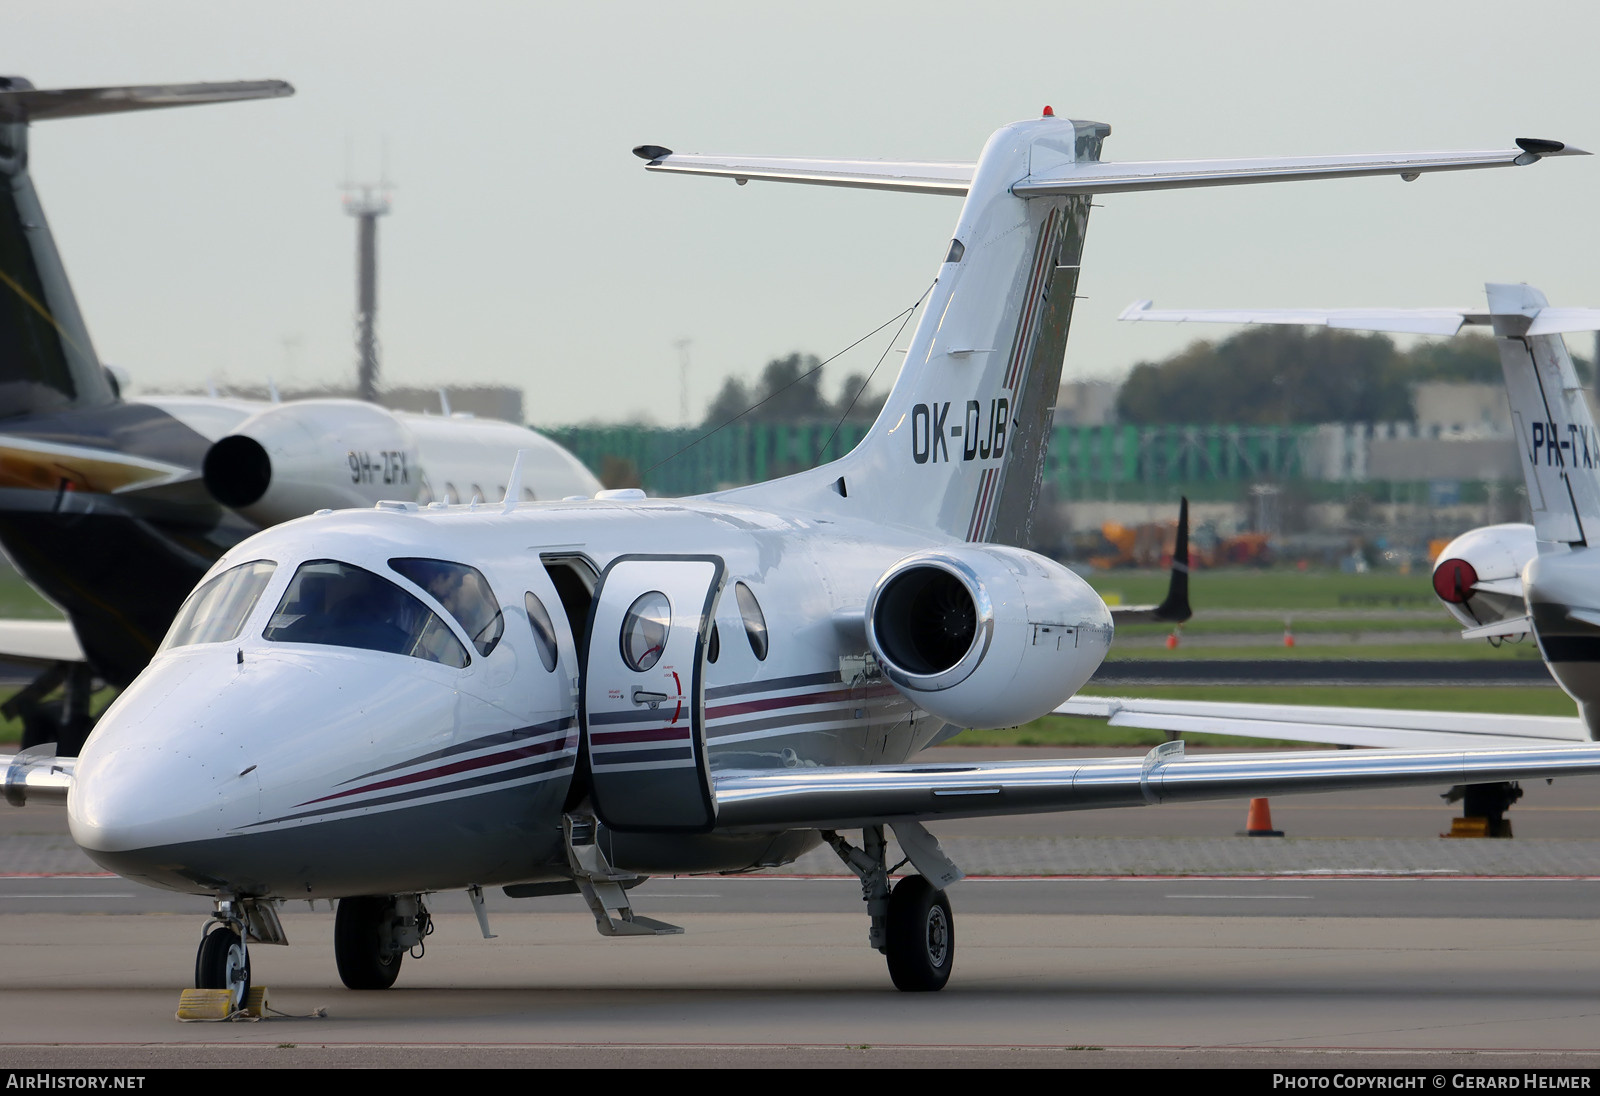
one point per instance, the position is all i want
(800, 988)
(1279, 970)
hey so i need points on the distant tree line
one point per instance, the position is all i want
(1285, 375)
(789, 390)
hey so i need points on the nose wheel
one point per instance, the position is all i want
(223, 962)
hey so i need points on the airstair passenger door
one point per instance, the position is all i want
(643, 692)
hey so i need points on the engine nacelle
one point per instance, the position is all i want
(295, 458)
(981, 635)
(1479, 574)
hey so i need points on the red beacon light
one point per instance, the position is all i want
(1049, 112)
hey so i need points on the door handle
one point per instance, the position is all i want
(644, 696)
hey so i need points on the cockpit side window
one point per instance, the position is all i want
(464, 592)
(342, 605)
(216, 611)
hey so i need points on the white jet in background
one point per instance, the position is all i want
(1499, 581)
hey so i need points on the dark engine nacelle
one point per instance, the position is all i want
(981, 635)
(297, 458)
(1479, 574)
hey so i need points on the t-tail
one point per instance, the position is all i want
(1555, 432)
(960, 445)
(47, 362)
(959, 448)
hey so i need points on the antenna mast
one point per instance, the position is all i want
(366, 202)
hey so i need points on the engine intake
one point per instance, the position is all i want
(985, 635)
(933, 623)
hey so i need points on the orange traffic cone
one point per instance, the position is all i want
(1258, 823)
(1172, 639)
(1288, 634)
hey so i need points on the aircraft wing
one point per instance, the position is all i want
(39, 642)
(30, 104)
(1391, 728)
(1083, 177)
(839, 798)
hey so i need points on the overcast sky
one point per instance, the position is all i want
(528, 246)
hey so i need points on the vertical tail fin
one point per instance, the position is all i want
(1556, 436)
(959, 447)
(47, 362)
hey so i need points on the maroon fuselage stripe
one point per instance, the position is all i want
(449, 770)
(985, 489)
(659, 734)
(767, 704)
(1030, 305)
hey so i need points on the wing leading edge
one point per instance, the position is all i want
(847, 797)
(1389, 728)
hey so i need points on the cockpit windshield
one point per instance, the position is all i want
(216, 611)
(464, 593)
(342, 605)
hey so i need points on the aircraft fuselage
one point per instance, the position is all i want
(361, 771)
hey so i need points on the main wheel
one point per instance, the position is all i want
(922, 936)
(360, 944)
(223, 963)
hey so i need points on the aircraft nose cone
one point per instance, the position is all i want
(158, 773)
(148, 797)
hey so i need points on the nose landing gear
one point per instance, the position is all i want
(223, 961)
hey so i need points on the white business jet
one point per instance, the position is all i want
(566, 697)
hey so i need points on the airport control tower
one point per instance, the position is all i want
(366, 203)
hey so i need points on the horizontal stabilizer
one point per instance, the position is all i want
(21, 102)
(1404, 321)
(928, 177)
(1408, 321)
(1087, 177)
(1120, 178)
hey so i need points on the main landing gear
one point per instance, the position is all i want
(372, 934)
(911, 924)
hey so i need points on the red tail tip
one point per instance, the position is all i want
(1049, 112)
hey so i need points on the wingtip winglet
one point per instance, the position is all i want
(652, 153)
(1536, 148)
(1175, 608)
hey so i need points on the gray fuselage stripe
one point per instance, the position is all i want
(486, 780)
(773, 684)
